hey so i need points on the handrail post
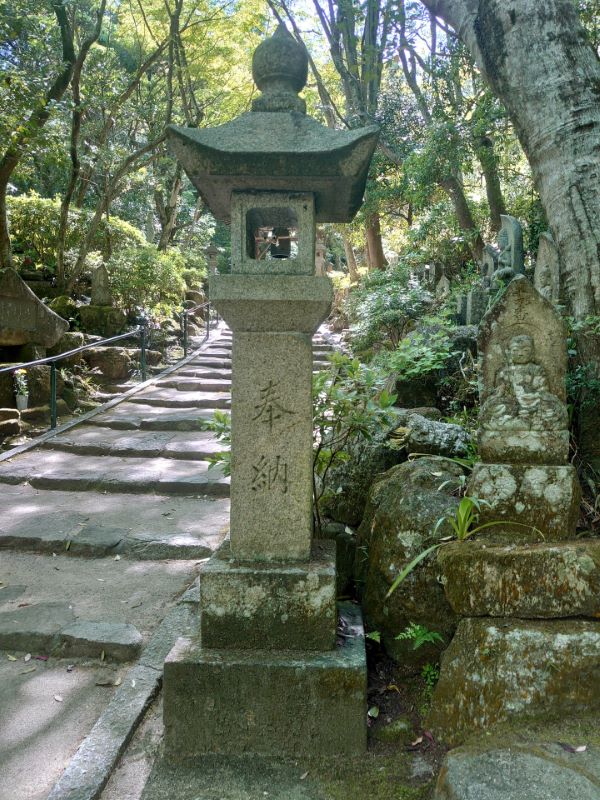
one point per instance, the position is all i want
(52, 395)
(143, 352)
(185, 333)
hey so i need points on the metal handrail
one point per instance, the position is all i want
(139, 331)
(185, 322)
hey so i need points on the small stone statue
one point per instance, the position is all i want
(489, 265)
(442, 288)
(521, 399)
(511, 260)
(101, 295)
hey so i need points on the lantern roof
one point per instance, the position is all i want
(276, 146)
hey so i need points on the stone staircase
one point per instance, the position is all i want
(135, 478)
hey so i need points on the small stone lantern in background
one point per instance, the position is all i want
(268, 674)
(212, 254)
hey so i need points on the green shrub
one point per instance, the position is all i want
(34, 223)
(384, 309)
(144, 277)
(416, 356)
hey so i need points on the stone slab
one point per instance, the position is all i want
(265, 702)
(173, 398)
(271, 462)
(137, 416)
(532, 581)
(530, 447)
(117, 640)
(34, 627)
(546, 497)
(545, 772)
(508, 670)
(89, 770)
(72, 472)
(272, 606)
(157, 527)
(189, 384)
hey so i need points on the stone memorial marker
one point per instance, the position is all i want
(547, 270)
(523, 433)
(24, 319)
(101, 294)
(267, 675)
(442, 287)
(511, 260)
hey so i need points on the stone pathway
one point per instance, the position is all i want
(149, 445)
(104, 526)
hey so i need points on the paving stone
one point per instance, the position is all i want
(157, 527)
(519, 773)
(118, 641)
(132, 416)
(34, 628)
(189, 384)
(9, 593)
(90, 768)
(173, 398)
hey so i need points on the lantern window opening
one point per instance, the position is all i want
(272, 233)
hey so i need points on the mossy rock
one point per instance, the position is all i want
(103, 320)
(404, 507)
(65, 307)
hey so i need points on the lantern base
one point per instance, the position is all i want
(265, 702)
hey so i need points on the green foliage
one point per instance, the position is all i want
(416, 356)
(419, 635)
(463, 522)
(220, 425)
(144, 277)
(34, 224)
(349, 403)
(384, 308)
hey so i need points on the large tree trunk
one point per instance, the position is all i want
(538, 60)
(350, 259)
(377, 259)
(454, 188)
(484, 148)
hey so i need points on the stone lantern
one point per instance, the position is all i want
(268, 673)
(212, 254)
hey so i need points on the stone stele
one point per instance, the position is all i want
(523, 435)
(547, 270)
(24, 319)
(101, 294)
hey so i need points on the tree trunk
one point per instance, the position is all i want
(453, 187)
(484, 148)
(350, 259)
(38, 118)
(538, 60)
(377, 259)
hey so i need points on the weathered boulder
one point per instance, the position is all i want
(115, 363)
(528, 581)
(422, 435)
(102, 320)
(348, 483)
(10, 422)
(520, 772)
(68, 341)
(403, 509)
(510, 669)
(65, 307)
(195, 296)
(24, 317)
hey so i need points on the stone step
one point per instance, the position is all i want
(208, 362)
(173, 398)
(160, 527)
(53, 469)
(98, 441)
(189, 384)
(135, 416)
(201, 372)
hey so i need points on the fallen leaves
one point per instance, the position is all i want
(59, 698)
(570, 749)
